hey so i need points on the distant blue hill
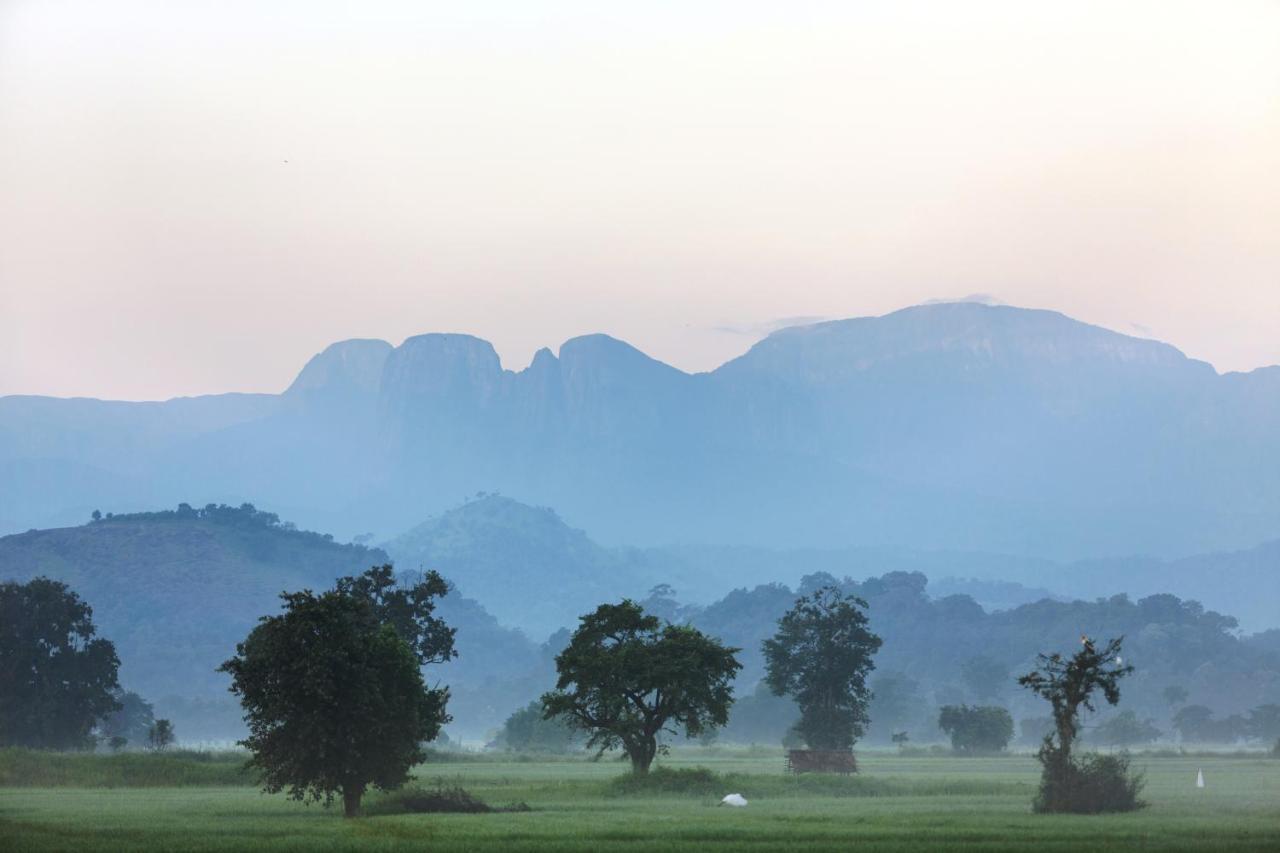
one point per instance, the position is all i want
(959, 427)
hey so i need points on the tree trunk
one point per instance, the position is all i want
(351, 795)
(642, 754)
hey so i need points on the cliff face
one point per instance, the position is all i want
(956, 426)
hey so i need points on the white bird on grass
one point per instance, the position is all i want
(735, 800)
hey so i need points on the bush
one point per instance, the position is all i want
(667, 780)
(1092, 784)
(444, 798)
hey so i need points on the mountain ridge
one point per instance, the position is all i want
(955, 425)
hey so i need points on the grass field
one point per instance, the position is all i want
(896, 803)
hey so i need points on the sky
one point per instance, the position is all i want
(195, 197)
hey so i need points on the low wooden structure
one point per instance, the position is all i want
(821, 761)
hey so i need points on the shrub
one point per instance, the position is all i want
(444, 798)
(1092, 784)
(667, 780)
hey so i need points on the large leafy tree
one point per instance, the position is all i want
(821, 655)
(56, 676)
(626, 678)
(408, 604)
(334, 699)
(976, 729)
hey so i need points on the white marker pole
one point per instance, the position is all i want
(1199, 778)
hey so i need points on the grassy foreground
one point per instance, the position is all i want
(896, 803)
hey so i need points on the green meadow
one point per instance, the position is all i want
(912, 802)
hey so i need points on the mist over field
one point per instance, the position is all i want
(557, 425)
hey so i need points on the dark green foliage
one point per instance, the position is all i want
(115, 743)
(626, 678)
(56, 676)
(1069, 684)
(161, 736)
(408, 606)
(1125, 729)
(333, 698)
(976, 730)
(1091, 784)
(821, 655)
(131, 722)
(528, 730)
(442, 798)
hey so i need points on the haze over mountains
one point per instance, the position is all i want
(953, 426)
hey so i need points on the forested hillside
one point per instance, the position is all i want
(958, 427)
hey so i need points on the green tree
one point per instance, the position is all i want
(1069, 684)
(1125, 729)
(161, 736)
(984, 676)
(334, 699)
(407, 604)
(56, 676)
(626, 678)
(131, 722)
(976, 729)
(527, 730)
(821, 656)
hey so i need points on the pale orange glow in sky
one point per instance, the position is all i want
(195, 197)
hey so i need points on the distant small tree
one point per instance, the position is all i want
(56, 675)
(334, 699)
(117, 742)
(626, 678)
(900, 738)
(1175, 694)
(527, 730)
(976, 729)
(1192, 722)
(984, 676)
(161, 736)
(1097, 783)
(1264, 722)
(131, 721)
(1125, 729)
(97, 515)
(821, 655)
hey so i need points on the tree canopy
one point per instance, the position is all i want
(409, 606)
(626, 678)
(1069, 684)
(334, 699)
(976, 729)
(56, 676)
(821, 655)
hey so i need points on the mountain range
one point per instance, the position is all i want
(958, 426)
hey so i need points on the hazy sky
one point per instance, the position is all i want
(195, 197)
